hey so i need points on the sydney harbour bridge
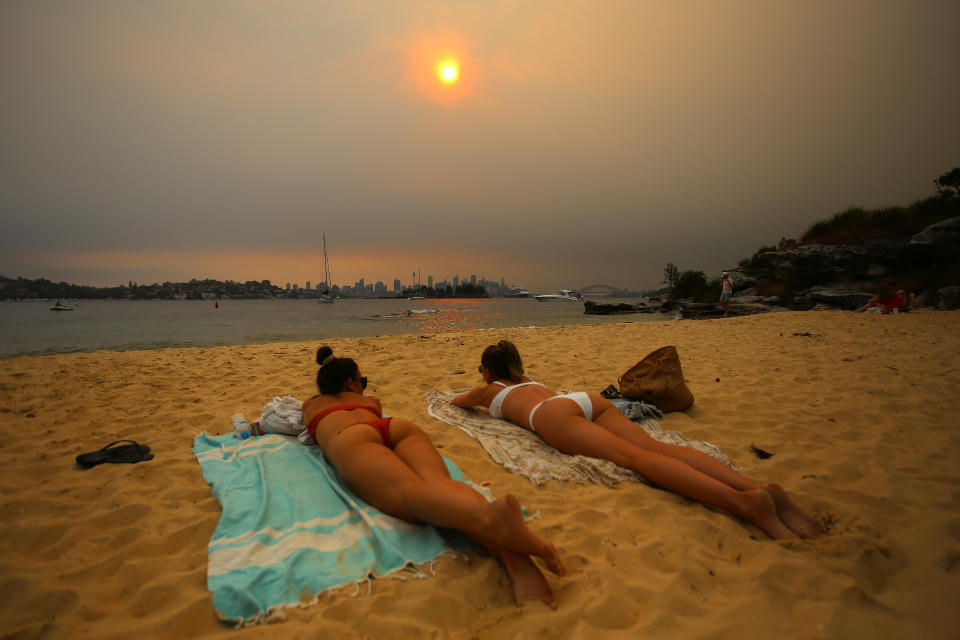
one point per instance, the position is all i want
(605, 291)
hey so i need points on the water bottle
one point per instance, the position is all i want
(241, 428)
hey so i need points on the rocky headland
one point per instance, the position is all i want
(830, 276)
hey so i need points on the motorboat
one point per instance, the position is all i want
(60, 307)
(517, 292)
(563, 295)
(416, 298)
(324, 299)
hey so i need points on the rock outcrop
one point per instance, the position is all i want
(942, 237)
(834, 275)
(820, 263)
(949, 298)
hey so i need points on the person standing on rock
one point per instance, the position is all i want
(726, 291)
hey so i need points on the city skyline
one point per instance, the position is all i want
(399, 285)
(28, 289)
(501, 287)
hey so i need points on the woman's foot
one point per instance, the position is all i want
(528, 582)
(792, 515)
(762, 512)
(512, 533)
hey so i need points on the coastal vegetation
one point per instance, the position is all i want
(25, 289)
(857, 225)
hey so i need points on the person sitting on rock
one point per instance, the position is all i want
(889, 299)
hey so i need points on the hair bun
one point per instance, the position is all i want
(324, 356)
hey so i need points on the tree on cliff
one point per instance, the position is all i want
(949, 183)
(670, 275)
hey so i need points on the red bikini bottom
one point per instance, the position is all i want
(382, 425)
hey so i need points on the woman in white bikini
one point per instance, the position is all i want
(588, 424)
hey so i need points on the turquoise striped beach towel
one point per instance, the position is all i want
(291, 529)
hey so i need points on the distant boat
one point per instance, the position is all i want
(60, 307)
(517, 292)
(564, 295)
(324, 297)
(416, 298)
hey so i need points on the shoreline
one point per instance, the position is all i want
(857, 410)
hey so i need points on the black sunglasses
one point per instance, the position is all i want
(363, 381)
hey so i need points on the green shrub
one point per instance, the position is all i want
(693, 284)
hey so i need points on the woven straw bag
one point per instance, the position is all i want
(658, 380)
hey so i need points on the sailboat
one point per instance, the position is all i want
(324, 296)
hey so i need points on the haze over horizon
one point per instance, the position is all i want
(575, 143)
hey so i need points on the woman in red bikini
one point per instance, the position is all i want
(393, 465)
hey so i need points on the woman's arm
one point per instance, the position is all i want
(472, 398)
(872, 302)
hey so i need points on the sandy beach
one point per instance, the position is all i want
(858, 410)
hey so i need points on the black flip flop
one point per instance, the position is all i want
(131, 453)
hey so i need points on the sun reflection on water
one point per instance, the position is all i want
(452, 315)
(458, 314)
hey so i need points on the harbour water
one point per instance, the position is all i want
(31, 328)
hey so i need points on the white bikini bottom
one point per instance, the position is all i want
(580, 397)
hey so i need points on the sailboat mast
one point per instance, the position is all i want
(326, 264)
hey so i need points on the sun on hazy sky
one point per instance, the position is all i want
(550, 144)
(448, 71)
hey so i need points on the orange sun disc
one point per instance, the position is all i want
(448, 72)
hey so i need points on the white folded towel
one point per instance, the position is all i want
(283, 415)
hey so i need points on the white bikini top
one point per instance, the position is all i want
(496, 405)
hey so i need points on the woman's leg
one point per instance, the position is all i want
(790, 513)
(414, 447)
(612, 419)
(571, 433)
(390, 483)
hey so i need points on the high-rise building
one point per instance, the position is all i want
(307, 286)
(396, 284)
(473, 279)
(430, 282)
(456, 281)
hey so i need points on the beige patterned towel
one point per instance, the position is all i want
(525, 453)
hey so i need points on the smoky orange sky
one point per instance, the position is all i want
(584, 142)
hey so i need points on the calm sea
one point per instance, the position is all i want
(31, 328)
